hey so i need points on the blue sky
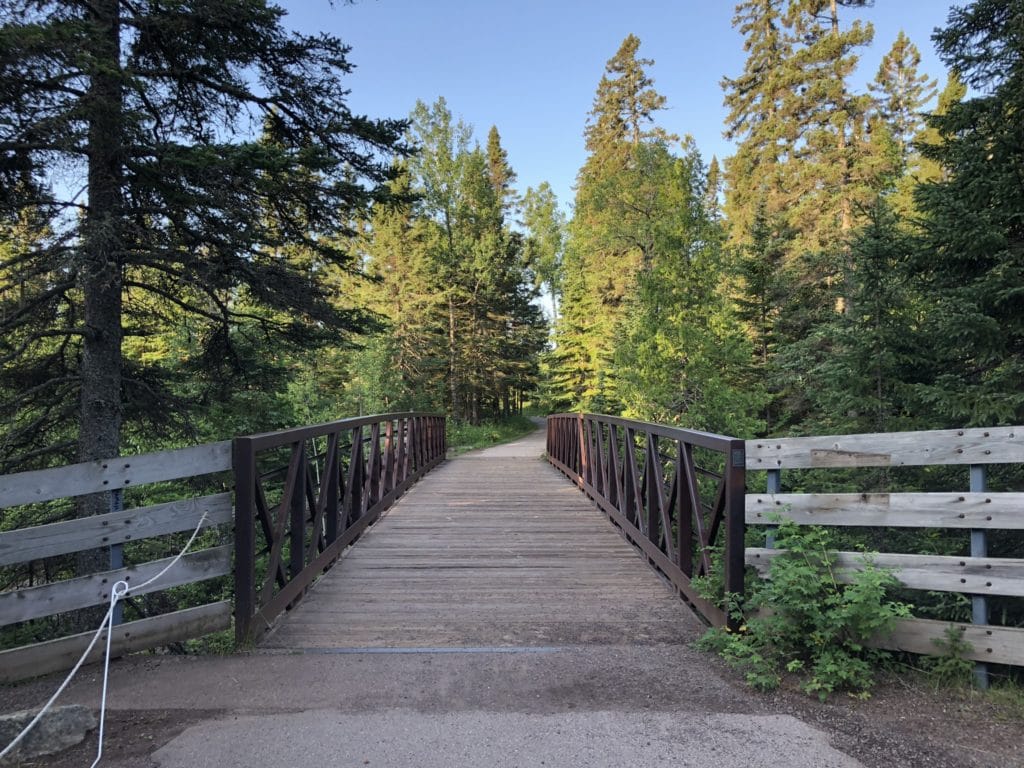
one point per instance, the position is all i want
(531, 67)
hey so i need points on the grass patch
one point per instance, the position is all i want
(463, 436)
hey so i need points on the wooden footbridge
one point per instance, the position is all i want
(316, 540)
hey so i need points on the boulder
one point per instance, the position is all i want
(60, 728)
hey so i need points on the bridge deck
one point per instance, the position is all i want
(491, 549)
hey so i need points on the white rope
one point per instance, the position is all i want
(118, 591)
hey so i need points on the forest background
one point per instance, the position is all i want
(853, 266)
(199, 238)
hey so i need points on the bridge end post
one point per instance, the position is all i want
(735, 523)
(244, 467)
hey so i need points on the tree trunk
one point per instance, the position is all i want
(845, 302)
(453, 384)
(100, 261)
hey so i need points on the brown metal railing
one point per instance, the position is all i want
(677, 494)
(303, 495)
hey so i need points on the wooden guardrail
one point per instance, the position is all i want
(675, 493)
(303, 495)
(976, 510)
(26, 600)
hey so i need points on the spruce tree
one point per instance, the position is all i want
(901, 93)
(625, 102)
(610, 234)
(972, 262)
(759, 119)
(860, 369)
(142, 112)
(493, 332)
(680, 353)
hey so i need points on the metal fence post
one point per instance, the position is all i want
(244, 466)
(774, 485)
(735, 521)
(979, 548)
(117, 553)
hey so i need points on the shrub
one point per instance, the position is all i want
(801, 619)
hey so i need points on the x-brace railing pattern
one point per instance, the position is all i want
(677, 494)
(303, 495)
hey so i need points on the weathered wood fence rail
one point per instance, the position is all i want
(976, 510)
(112, 530)
(677, 494)
(301, 496)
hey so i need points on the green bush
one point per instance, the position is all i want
(801, 619)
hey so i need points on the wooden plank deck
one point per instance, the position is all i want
(492, 549)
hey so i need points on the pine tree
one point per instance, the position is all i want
(155, 130)
(759, 118)
(901, 93)
(972, 260)
(833, 177)
(610, 234)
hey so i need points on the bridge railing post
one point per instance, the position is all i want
(735, 522)
(581, 453)
(244, 468)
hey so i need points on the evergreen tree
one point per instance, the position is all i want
(624, 104)
(902, 93)
(762, 296)
(834, 175)
(680, 354)
(859, 368)
(760, 120)
(713, 193)
(403, 367)
(611, 231)
(929, 169)
(972, 262)
(146, 107)
(493, 332)
(498, 169)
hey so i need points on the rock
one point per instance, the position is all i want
(60, 728)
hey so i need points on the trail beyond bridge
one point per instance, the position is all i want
(492, 617)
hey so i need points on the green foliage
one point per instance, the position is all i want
(801, 619)
(192, 219)
(463, 436)
(473, 275)
(951, 668)
(854, 371)
(680, 354)
(617, 213)
(902, 93)
(971, 263)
